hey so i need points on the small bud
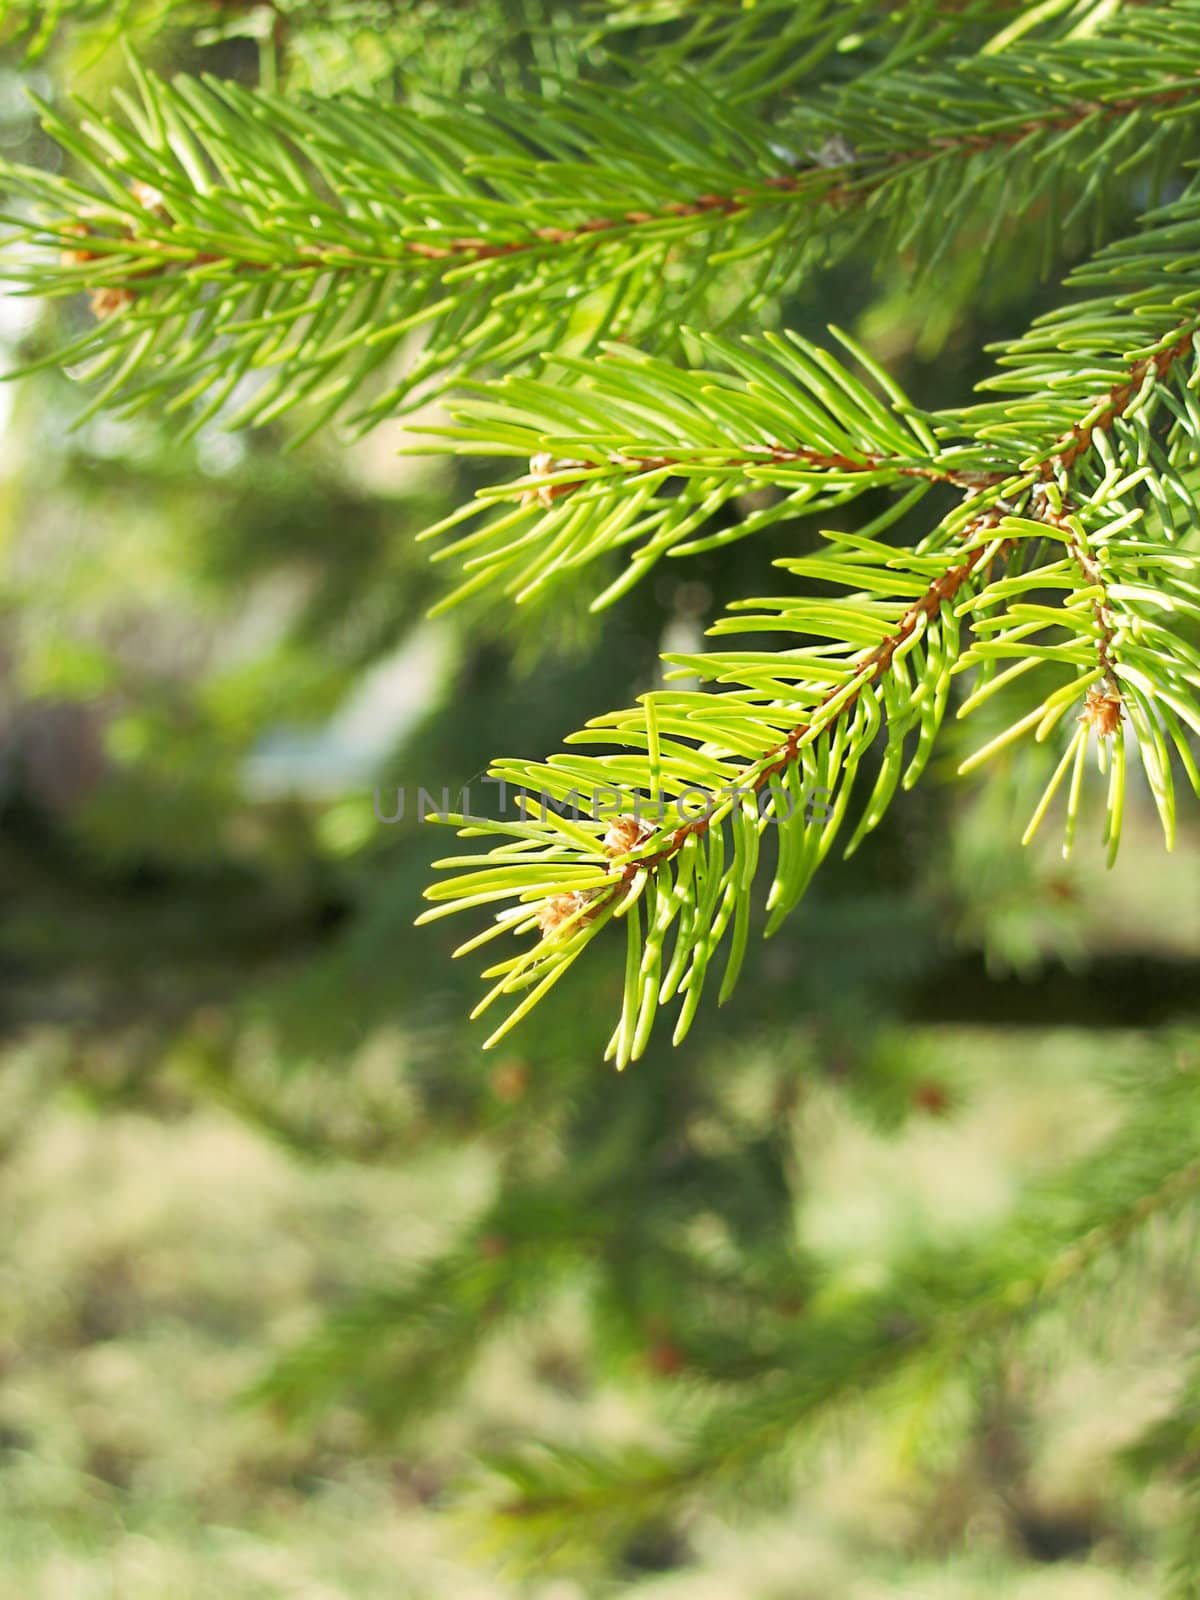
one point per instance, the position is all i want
(1102, 711)
(560, 908)
(109, 301)
(625, 834)
(149, 198)
(547, 493)
(77, 258)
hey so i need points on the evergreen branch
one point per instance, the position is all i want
(1126, 460)
(316, 245)
(636, 454)
(569, 881)
(508, 214)
(798, 723)
(294, 250)
(598, 442)
(939, 1309)
(247, 254)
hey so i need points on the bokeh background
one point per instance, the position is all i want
(283, 1256)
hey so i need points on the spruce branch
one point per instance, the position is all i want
(637, 454)
(780, 727)
(299, 248)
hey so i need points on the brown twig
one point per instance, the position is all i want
(830, 461)
(746, 458)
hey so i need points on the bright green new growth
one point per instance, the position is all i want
(1051, 570)
(251, 254)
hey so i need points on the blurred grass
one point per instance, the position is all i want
(152, 1261)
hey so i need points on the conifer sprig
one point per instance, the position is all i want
(296, 249)
(1058, 496)
(631, 452)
